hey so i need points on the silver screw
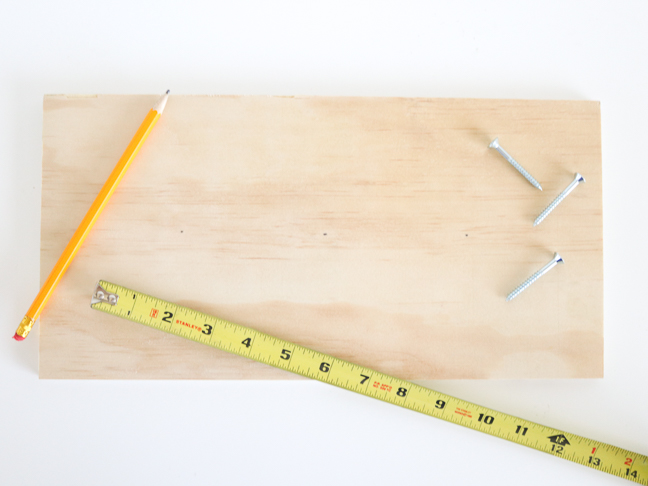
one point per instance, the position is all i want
(555, 261)
(577, 180)
(495, 144)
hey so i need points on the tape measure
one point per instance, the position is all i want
(233, 338)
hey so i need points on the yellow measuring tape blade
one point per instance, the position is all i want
(215, 332)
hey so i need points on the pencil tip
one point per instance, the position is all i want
(18, 338)
(159, 106)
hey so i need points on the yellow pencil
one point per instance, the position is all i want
(89, 219)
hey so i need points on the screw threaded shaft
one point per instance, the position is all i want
(549, 208)
(577, 180)
(526, 175)
(495, 144)
(524, 285)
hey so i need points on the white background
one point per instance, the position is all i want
(237, 432)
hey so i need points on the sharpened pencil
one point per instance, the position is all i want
(90, 218)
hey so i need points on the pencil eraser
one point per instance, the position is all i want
(18, 338)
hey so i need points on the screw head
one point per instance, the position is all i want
(558, 259)
(495, 143)
(579, 178)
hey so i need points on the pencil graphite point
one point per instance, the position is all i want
(159, 106)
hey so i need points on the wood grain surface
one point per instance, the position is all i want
(383, 231)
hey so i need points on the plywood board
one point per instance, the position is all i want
(380, 230)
